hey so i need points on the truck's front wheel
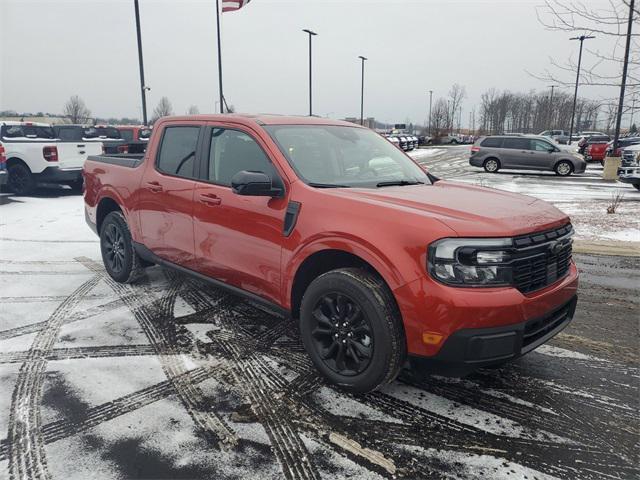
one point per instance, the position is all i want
(118, 255)
(352, 330)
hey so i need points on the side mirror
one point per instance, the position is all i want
(255, 184)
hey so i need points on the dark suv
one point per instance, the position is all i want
(524, 153)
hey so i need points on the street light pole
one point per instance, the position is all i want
(582, 38)
(311, 34)
(430, 98)
(143, 87)
(362, 91)
(616, 138)
(551, 107)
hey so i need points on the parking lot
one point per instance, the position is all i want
(170, 378)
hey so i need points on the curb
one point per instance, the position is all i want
(606, 247)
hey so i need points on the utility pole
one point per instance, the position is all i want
(221, 95)
(616, 138)
(551, 108)
(362, 92)
(311, 34)
(633, 108)
(582, 38)
(430, 98)
(143, 87)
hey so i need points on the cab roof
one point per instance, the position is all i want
(263, 119)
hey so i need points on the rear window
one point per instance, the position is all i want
(127, 134)
(70, 134)
(516, 143)
(27, 131)
(102, 132)
(491, 142)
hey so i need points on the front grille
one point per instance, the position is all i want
(541, 259)
(535, 330)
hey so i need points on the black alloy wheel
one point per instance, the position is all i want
(342, 334)
(113, 245)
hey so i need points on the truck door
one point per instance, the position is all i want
(238, 239)
(165, 197)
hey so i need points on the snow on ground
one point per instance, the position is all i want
(583, 197)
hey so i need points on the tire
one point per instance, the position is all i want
(124, 266)
(563, 168)
(21, 180)
(637, 186)
(491, 165)
(367, 333)
(454, 142)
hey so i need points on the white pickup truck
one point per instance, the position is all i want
(34, 154)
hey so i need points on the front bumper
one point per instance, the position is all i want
(469, 349)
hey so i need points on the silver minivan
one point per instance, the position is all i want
(525, 153)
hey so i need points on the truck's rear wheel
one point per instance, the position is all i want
(121, 261)
(21, 179)
(352, 330)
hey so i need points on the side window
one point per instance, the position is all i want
(232, 151)
(540, 145)
(516, 143)
(491, 142)
(178, 151)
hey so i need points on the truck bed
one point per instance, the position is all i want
(130, 160)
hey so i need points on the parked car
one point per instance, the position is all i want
(622, 144)
(596, 147)
(110, 137)
(4, 176)
(375, 258)
(34, 154)
(559, 136)
(135, 136)
(629, 170)
(394, 140)
(405, 144)
(451, 139)
(585, 137)
(425, 140)
(524, 153)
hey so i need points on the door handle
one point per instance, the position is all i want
(154, 187)
(210, 199)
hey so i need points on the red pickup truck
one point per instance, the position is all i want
(378, 260)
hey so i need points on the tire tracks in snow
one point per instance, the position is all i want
(27, 458)
(154, 323)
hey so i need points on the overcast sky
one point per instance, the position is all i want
(53, 49)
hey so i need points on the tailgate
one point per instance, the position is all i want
(72, 155)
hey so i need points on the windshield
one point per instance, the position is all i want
(337, 156)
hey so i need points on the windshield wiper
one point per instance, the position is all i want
(401, 183)
(327, 185)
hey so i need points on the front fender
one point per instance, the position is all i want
(354, 245)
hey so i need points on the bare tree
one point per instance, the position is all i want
(439, 118)
(76, 111)
(163, 109)
(583, 17)
(456, 95)
(193, 110)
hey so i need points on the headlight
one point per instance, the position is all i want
(471, 261)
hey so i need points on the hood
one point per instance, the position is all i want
(469, 210)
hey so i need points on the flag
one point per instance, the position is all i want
(233, 5)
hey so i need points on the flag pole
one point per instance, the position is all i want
(219, 57)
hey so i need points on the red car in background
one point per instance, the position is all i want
(597, 149)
